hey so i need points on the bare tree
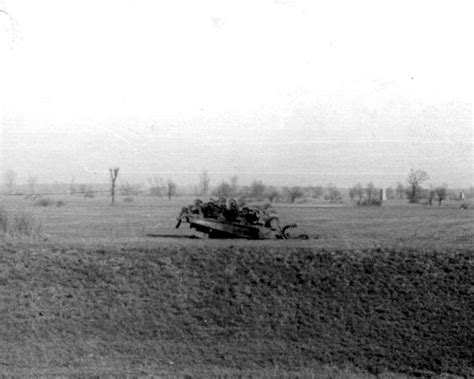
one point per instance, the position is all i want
(272, 194)
(442, 192)
(431, 195)
(356, 192)
(234, 185)
(370, 190)
(204, 181)
(257, 189)
(293, 193)
(113, 177)
(333, 194)
(10, 177)
(315, 191)
(400, 191)
(414, 180)
(32, 180)
(172, 187)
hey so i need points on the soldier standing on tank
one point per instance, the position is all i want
(196, 208)
(231, 213)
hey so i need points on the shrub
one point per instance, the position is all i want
(45, 202)
(25, 224)
(19, 224)
(272, 194)
(130, 189)
(89, 195)
(357, 192)
(128, 199)
(157, 187)
(3, 221)
(333, 194)
(294, 193)
(315, 191)
(369, 202)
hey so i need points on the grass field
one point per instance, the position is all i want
(118, 290)
(345, 226)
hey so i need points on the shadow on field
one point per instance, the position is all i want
(191, 236)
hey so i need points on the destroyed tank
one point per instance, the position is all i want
(225, 219)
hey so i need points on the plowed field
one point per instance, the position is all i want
(171, 308)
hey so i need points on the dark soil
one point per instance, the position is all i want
(239, 307)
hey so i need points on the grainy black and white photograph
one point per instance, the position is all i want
(236, 189)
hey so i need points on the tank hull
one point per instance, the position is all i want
(223, 229)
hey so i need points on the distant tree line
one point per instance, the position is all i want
(257, 190)
(413, 191)
(369, 194)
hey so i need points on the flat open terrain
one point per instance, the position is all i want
(118, 290)
(346, 226)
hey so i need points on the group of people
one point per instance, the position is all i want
(225, 210)
(229, 211)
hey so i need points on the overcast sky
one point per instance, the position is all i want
(288, 92)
